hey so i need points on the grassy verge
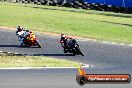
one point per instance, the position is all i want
(34, 61)
(108, 26)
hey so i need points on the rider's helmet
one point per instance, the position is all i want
(31, 33)
(27, 31)
(19, 28)
(63, 35)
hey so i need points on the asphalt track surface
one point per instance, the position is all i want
(50, 78)
(107, 58)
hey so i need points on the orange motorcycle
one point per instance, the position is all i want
(31, 40)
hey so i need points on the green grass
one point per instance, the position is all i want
(34, 61)
(103, 26)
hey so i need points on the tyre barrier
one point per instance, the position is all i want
(76, 4)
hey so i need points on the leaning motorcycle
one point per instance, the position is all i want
(31, 41)
(71, 49)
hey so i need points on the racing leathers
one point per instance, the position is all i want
(21, 35)
(68, 42)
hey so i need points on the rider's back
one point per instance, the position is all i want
(20, 33)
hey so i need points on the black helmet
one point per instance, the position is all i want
(19, 28)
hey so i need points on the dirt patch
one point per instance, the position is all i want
(8, 54)
(7, 28)
(48, 33)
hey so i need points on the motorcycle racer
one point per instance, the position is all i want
(67, 41)
(30, 36)
(70, 45)
(21, 33)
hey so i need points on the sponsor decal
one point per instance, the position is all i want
(83, 78)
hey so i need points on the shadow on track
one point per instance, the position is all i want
(52, 55)
(9, 46)
(17, 46)
(27, 47)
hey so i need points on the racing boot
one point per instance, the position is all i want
(22, 44)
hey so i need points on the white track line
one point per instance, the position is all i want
(3, 30)
(130, 45)
(104, 42)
